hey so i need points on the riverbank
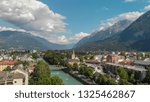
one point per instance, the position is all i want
(79, 77)
(66, 77)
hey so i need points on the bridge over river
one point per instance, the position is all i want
(57, 68)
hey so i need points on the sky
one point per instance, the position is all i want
(67, 21)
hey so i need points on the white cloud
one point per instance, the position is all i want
(147, 7)
(78, 37)
(34, 16)
(63, 40)
(131, 16)
(129, 0)
(59, 39)
(74, 39)
(11, 29)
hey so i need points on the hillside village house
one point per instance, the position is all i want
(7, 63)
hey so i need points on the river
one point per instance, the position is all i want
(68, 79)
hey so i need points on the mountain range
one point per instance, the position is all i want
(23, 40)
(122, 35)
(106, 33)
(135, 36)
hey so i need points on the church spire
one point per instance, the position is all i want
(73, 55)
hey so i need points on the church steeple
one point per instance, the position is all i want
(73, 55)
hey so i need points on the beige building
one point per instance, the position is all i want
(25, 74)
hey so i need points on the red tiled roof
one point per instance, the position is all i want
(9, 62)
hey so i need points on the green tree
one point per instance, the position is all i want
(75, 66)
(89, 72)
(55, 80)
(106, 80)
(82, 69)
(85, 57)
(102, 80)
(111, 81)
(132, 78)
(25, 63)
(35, 55)
(124, 82)
(69, 67)
(54, 57)
(14, 57)
(91, 57)
(122, 73)
(81, 58)
(41, 74)
(8, 69)
(147, 78)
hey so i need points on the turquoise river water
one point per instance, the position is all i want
(68, 79)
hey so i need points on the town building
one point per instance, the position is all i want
(98, 58)
(139, 70)
(23, 72)
(6, 64)
(16, 77)
(115, 58)
(142, 63)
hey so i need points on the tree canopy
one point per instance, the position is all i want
(42, 75)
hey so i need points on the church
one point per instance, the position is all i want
(74, 59)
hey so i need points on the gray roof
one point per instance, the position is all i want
(136, 68)
(145, 63)
(10, 76)
(18, 76)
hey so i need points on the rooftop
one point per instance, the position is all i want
(9, 62)
(18, 76)
(136, 68)
(10, 76)
(145, 63)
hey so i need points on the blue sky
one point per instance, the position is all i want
(86, 15)
(66, 21)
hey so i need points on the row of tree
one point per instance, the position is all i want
(87, 71)
(105, 80)
(42, 76)
(55, 58)
(125, 77)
